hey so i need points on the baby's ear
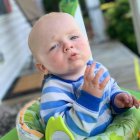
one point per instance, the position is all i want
(42, 68)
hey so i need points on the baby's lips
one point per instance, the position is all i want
(74, 56)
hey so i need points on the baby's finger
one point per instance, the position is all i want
(104, 82)
(128, 100)
(86, 73)
(97, 77)
(135, 102)
(91, 71)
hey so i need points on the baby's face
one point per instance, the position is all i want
(63, 48)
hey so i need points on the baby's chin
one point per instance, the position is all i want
(79, 68)
(78, 64)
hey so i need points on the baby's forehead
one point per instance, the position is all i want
(56, 22)
(55, 19)
(51, 23)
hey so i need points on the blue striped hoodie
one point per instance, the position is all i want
(84, 114)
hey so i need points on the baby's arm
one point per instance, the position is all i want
(124, 100)
(121, 100)
(91, 81)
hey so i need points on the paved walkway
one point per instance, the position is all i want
(119, 60)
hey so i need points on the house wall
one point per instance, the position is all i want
(14, 51)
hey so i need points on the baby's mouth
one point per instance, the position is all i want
(74, 56)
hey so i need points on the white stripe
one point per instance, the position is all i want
(59, 84)
(104, 118)
(55, 97)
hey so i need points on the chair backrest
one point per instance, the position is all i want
(29, 123)
(30, 126)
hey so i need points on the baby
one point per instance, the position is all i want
(76, 87)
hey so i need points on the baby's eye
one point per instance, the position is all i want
(54, 46)
(74, 37)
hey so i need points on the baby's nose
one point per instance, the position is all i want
(68, 48)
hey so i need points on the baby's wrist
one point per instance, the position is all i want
(99, 95)
(93, 93)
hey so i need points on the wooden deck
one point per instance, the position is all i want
(119, 60)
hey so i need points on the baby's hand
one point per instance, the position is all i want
(91, 81)
(124, 100)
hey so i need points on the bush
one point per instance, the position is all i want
(120, 25)
(51, 5)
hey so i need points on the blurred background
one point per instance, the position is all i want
(113, 30)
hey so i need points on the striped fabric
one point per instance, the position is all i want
(85, 115)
